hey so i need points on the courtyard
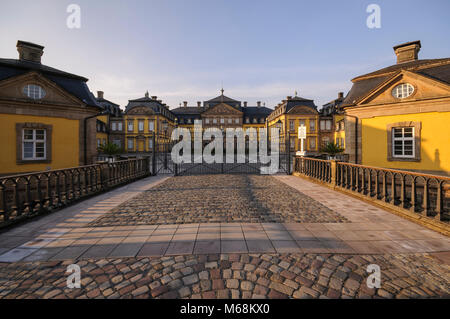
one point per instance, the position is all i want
(223, 236)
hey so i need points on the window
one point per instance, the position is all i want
(130, 126)
(237, 121)
(130, 144)
(312, 143)
(119, 126)
(207, 120)
(325, 125)
(189, 121)
(301, 123)
(247, 120)
(151, 125)
(255, 120)
(34, 91)
(291, 125)
(342, 125)
(292, 143)
(150, 143)
(99, 143)
(312, 125)
(402, 90)
(325, 140)
(33, 144)
(342, 142)
(114, 126)
(214, 121)
(337, 141)
(222, 120)
(141, 125)
(403, 142)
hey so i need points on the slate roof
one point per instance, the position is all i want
(74, 84)
(438, 69)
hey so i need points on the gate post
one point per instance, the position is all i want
(154, 154)
(288, 160)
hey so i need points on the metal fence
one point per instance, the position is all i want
(27, 195)
(428, 195)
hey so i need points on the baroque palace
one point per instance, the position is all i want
(393, 117)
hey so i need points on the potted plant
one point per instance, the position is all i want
(110, 149)
(331, 149)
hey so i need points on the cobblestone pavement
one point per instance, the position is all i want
(233, 276)
(219, 198)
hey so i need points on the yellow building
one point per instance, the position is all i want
(43, 112)
(146, 121)
(331, 123)
(398, 117)
(292, 113)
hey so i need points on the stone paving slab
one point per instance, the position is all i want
(219, 198)
(291, 275)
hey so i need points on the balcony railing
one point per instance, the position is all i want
(423, 194)
(26, 195)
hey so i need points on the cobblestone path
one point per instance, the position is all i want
(233, 276)
(219, 198)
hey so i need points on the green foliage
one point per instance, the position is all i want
(110, 149)
(332, 149)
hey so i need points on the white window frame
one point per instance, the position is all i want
(114, 126)
(403, 139)
(119, 126)
(237, 121)
(34, 140)
(151, 125)
(206, 120)
(403, 91)
(130, 125)
(312, 125)
(34, 91)
(130, 140)
(141, 125)
(150, 143)
(230, 121)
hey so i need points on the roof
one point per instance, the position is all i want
(74, 84)
(222, 98)
(256, 111)
(438, 69)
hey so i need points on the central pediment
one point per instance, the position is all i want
(222, 109)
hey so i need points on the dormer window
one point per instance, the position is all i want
(402, 91)
(34, 91)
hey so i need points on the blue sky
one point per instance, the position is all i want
(260, 50)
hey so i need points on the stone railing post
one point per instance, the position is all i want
(333, 172)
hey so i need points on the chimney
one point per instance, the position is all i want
(154, 97)
(245, 103)
(340, 95)
(407, 52)
(99, 94)
(199, 104)
(185, 103)
(288, 97)
(29, 51)
(258, 103)
(159, 101)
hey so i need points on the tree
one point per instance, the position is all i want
(110, 149)
(331, 149)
